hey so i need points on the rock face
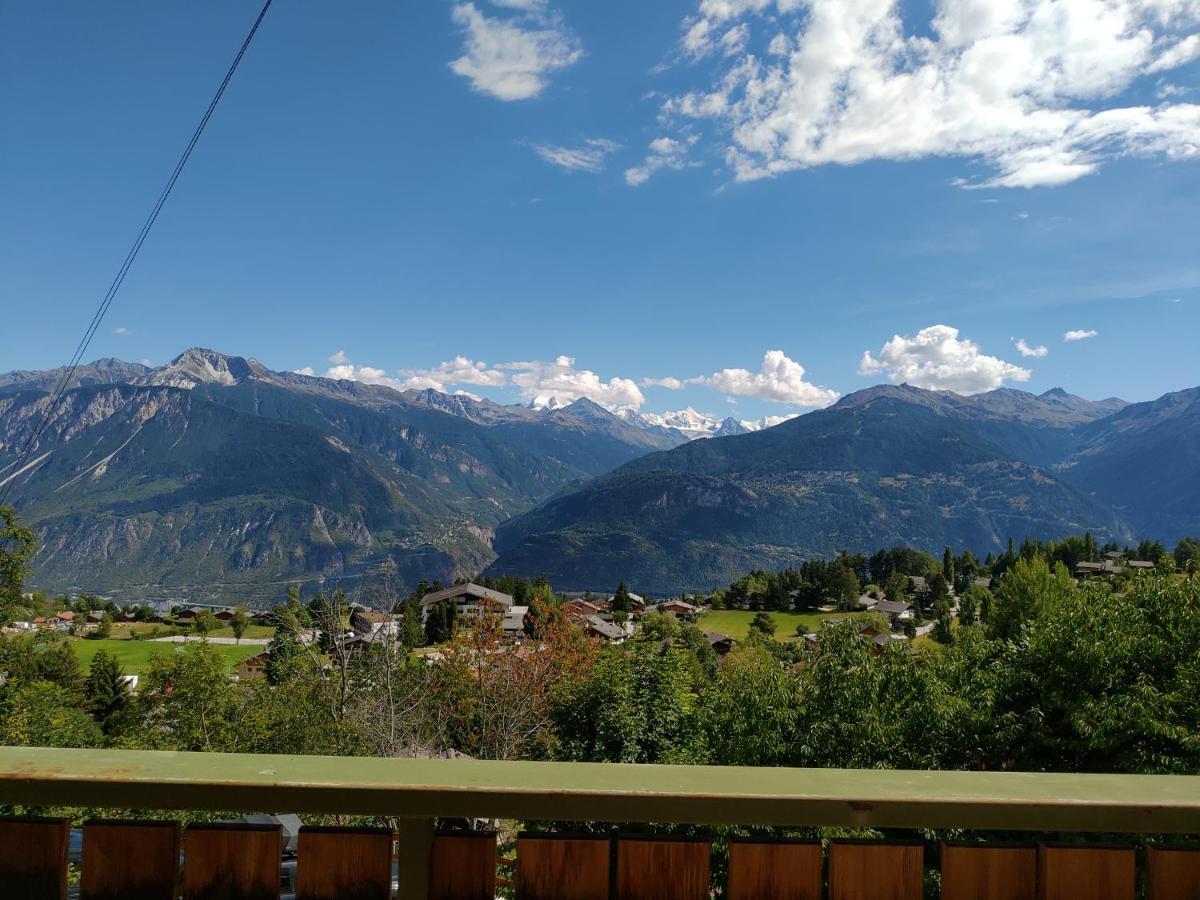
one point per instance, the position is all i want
(214, 477)
(888, 465)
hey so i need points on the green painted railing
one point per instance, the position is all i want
(416, 792)
(700, 795)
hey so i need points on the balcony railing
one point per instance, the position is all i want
(141, 859)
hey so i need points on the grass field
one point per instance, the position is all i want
(123, 631)
(134, 656)
(736, 622)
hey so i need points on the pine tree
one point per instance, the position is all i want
(620, 603)
(948, 565)
(105, 691)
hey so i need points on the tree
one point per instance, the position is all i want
(943, 631)
(620, 604)
(239, 623)
(104, 629)
(968, 607)
(58, 664)
(105, 691)
(763, 624)
(948, 565)
(205, 622)
(1028, 590)
(187, 701)
(440, 622)
(17, 546)
(40, 715)
(896, 586)
(846, 588)
(1187, 551)
(282, 654)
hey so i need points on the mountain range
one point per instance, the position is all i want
(213, 477)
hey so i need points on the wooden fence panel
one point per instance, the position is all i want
(1081, 872)
(989, 872)
(554, 867)
(232, 862)
(775, 870)
(344, 864)
(130, 861)
(33, 858)
(1172, 873)
(871, 870)
(462, 866)
(662, 869)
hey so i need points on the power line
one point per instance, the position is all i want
(69, 373)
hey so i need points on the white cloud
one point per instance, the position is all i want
(459, 370)
(1177, 55)
(588, 158)
(1025, 350)
(1027, 86)
(779, 380)
(1079, 335)
(121, 329)
(510, 58)
(544, 383)
(665, 153)
(935, 358)
(671, 384)
(340, 358)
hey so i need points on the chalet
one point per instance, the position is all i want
(470, 599)
(1108, 567)
(372, 622)
(918, 585)
(721, 643)
(866, 601)
(1142, 564)
(186, 615)
(95, 617)
(514, 621)
(598, 626)
(254, 666)
(677, 608)
(897, 611)
(66, 617)
(225, 615)
(579, 609)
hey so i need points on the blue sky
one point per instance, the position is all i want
(580, 198)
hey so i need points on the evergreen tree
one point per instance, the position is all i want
(59, 664)
(620, 603)
(942, 630)
(105, 691)
(281, 654)
(948, 565)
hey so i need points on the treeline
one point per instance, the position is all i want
(1058, 676)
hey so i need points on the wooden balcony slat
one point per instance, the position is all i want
(553, 867)
(232, 862)
(662, 869)
(33, 858)
(775, 870)
(989, 872)
(600, 792)
(869, 870)
(1172, 873)
(1086, 873)
(462, 866)
(344, 864)
(130, 861)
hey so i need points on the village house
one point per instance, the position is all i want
(469, 599)
(866, 601)
(253, 666)
(372, 622)
(514, 621)
(897, 611)
(721, 643)
(225, 616)
(677, 607)
(598, 626)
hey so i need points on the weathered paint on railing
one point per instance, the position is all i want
(702, 795)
